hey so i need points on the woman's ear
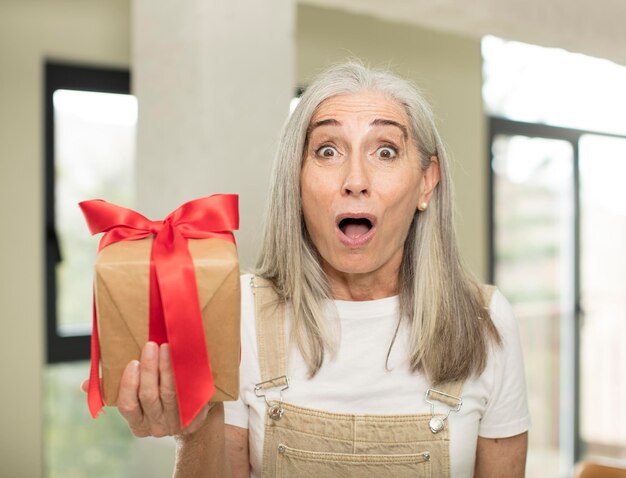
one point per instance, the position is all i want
(430, 179)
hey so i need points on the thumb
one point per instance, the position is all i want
(84, 386)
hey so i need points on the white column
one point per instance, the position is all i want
(214, 80)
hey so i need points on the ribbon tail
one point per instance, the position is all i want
(156, 327)
(183, 320)
(94, 393)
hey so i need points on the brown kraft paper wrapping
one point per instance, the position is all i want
(122, 304)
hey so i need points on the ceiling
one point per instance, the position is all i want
(596, 28)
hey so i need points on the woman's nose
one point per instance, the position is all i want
(356, 181)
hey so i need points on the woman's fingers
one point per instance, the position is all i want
(149, 393)
(128, 401)
(167, 389)
(84, 386)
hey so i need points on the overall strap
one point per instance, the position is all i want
(448, 393)
(270, 331)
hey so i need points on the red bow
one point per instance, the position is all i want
(175, 315)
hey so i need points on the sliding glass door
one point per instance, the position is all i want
(558, 207)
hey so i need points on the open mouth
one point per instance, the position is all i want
(356, 229)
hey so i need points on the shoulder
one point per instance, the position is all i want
(246, 279)
(506, 413)
(246, 283)
(256, 294)
(503, 317)
(247, 300)
(249, 356)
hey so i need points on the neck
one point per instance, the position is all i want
(363, 286)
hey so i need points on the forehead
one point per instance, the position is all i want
(364, 105)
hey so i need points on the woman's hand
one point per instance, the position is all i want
(147, 400)
(147, 396)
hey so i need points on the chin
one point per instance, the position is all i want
(353, 265)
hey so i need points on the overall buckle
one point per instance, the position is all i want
(437, 423)
(275, 409)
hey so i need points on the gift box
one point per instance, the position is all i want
(122, 303)
(174, 281)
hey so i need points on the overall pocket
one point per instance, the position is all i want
(295, 463)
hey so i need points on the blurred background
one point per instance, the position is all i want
(150, 103)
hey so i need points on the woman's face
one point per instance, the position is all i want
(361, 184)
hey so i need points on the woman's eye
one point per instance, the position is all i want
(326, 152)
(386, 152)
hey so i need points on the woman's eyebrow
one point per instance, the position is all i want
(388, 122)
(324, 122)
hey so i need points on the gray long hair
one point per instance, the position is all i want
(439, 302)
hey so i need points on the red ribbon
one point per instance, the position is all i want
(175, 315)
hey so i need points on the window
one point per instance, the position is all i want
(89, 151)
(558, 209)
(90, 120)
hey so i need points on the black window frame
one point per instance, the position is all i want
(67, 76)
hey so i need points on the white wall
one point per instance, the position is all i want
(446, 67)
(214, 81)
(97, 32)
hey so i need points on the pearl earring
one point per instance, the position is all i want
(424, 206)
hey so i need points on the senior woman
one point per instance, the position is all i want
(366, 348)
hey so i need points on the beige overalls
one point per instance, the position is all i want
(303, 442)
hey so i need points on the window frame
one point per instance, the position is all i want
(67, 76)
(572, 447)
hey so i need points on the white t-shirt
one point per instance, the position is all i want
(357, 380)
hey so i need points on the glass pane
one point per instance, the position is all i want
(603, 295)
(533, 221)
(94, 158)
